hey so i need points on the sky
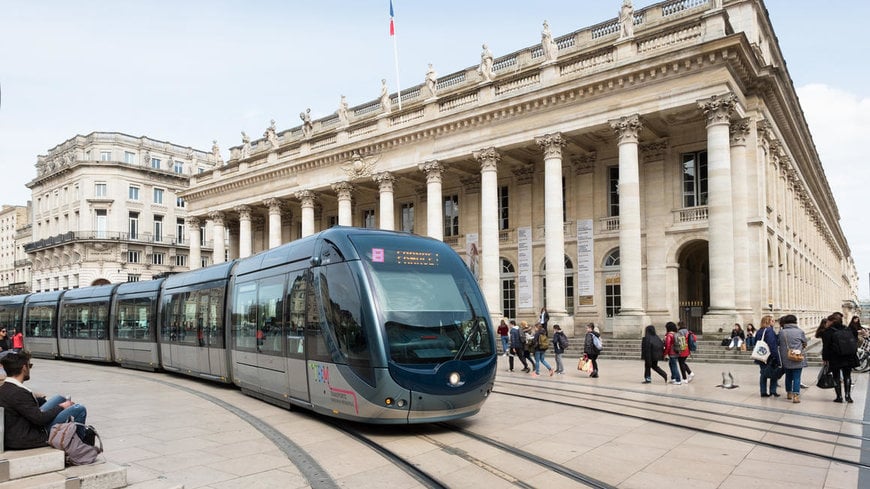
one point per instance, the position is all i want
(194, 71)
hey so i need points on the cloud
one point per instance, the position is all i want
(840, 123)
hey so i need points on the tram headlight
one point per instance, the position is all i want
(454, 379)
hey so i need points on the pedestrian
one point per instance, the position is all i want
(652, 350)
(671, 353)
(737, 337)
(542, 343)
(544, 317)
(502, 332)
(772, 368)
(792, 342)
(750, 336)
(5, 341)
(17, 340)
(592, 347)
(840, 354)
(687, 339)
(518, 343)
(529, 346)
(560, 344)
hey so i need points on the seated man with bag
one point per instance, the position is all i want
(29, 417)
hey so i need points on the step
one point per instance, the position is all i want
(94, 476)
(18, 464)
(156, 484)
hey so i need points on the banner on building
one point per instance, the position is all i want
(472, 254)
(585, 263)
(524, 268)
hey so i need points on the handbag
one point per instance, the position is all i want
(585, 364)
(761, 351)
(796, 355)
(826, 378)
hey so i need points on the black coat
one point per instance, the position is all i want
(652, 348)
(25, 424)
(837, 361)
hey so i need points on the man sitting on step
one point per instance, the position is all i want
(28, 416)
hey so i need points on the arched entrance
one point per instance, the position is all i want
(694, 283)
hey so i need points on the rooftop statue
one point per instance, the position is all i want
(551, 50)
(626, 20)
(485, 68)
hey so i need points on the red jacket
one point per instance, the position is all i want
(669, 345)
(18, 340)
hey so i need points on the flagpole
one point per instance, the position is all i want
(395, 55)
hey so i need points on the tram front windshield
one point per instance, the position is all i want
(431, 308)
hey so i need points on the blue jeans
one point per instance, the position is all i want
(539, 359)
(504, 344)
(793, 380)
(76, 411)
(762, 383)
(674, 364)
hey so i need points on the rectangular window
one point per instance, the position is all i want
(503, 205)
(158, 195)
(133, 257)
(133, 277)
(613, 191)
(333, 221)
(158, 229)
(178, 167)
(105, 156)
(408, 217)
(129, 157)
(101, 222)
(694, 179)
(179, 202)
(158, 258)
(133, 221)
(180, 231)
(133, 193)
(369, 219)
(451, 215)
(202, 235)
(155, 163)
(100, 190)
(181, 260)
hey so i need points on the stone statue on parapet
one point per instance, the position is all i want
(246, 146)
(551, 50)
(626, 20)
(271, 135)
(431, 80)
(342, 110)
(485, 68)
(307, 125)
(216, 152)
(386, 103)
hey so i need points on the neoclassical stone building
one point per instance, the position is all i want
(640, 170)
(106, 209)
(14, 268)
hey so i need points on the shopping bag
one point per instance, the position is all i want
(585, 364)
(761, 351)
(826, 378)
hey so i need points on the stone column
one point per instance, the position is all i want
(631, 316)
(307, 198)
(245, 235)
(385, 182)
(195, 246)
(233, 245)
(720, 220)
(739, 130)
(489, 248)
(218, 220)
(345, 212)
(274, 206)
(554, 224)
(434, 205)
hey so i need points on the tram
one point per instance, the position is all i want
(360, 324)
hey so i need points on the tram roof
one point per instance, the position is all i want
(93, 292)
(220, 271)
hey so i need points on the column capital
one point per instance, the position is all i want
(385, 181)
(274, 204)
(552, 144)
(306, 197)
(627, 128)
(244, 212)
(192, 221)
(217, 217)
(433, 170)
(739, 130)
(343, 189)
(718, 108)
(488, 158)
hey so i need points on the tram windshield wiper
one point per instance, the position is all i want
(474, 330)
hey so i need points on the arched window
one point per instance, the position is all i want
(508, 289)
(612, 293)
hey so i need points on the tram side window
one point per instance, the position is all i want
(296, 309)
(40, 322)
(10, 317)
(244, 317)
(343, 313)
(194, 318)
(211, 317)
(85, 321)
(134, 319)
(270, 309)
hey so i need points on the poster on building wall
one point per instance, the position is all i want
(472, 254)
(524, 268)
(585, 263)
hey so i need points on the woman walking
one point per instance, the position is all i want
(592, 347)
(671, 352)
(541, 342)
(652, 349)
(792, 342)
(839, 352)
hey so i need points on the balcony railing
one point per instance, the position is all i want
(608, 224)
(143, 238)
(690, 214)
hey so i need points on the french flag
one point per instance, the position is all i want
(392, 25)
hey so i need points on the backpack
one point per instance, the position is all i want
(543, 342)
(563, 341)
(680, 343)
(844, 343)
(693, 343)
(63, 437)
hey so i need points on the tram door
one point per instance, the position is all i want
(298, 285)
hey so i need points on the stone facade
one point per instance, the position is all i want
(106, 209)
(14, 268)
(629, 175)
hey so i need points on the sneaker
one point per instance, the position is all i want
(534, 374)
(527, 370)
(675, 382)
(690, 377)
(646, 381)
